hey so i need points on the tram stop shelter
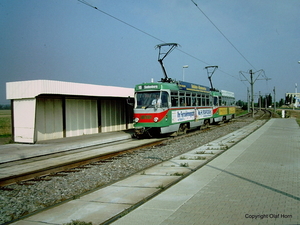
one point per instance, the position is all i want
(47, 109)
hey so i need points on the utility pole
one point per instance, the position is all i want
(248, 100)
(259, 99)
(252, 92)
(251, 81)
(274, 100)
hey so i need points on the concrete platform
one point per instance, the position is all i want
(13, 152)
(254, 182)
(108, 202)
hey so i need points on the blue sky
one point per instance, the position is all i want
(70, 41)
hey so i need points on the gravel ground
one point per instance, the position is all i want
(25, 199)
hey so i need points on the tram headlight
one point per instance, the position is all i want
(136, 120)
(155, 119)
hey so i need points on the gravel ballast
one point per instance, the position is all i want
(22, 200)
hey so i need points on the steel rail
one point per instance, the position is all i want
(67, 166)
(61, 168)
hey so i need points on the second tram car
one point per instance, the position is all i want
(167, 107)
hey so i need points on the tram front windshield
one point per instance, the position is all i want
(153, 99)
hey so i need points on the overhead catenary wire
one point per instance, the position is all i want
(122, 21)
(146, 33)
(222, 33)
(134, 27)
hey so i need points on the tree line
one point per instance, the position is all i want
(266, 102)
(2, 107)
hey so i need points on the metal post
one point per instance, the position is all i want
(261, 72)
(248, 100)
(186, 66)
(252, 98)
(274, 100)
(259, 101)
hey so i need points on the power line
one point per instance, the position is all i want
(122, 21)
(134, 27)
(146, 33)
(222, 33)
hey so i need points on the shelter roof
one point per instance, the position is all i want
(33, 88)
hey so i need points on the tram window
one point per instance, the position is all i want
(194, 99)
(227, 102)
(207, 100)
(145, 99)
(164, 99)
(215, 101)
(188, 99)
(220, 101)
(199, 100)
(203, 100)
(152, 99)
(174, 99)
(182, 99)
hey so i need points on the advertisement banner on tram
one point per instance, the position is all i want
(190, 114)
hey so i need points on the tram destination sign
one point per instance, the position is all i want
(193, 87)
(147, 86)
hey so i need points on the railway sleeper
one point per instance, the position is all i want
(27, 183)
(58, 175)
(6, 189)
(70, 171)
(83, 167)
(41, 179)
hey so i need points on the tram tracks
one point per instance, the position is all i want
(63, 186)
(58, 164)
(61, 167)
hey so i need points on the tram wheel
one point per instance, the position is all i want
(206, 124)
(182, 129)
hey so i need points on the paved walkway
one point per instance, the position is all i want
(254, 182)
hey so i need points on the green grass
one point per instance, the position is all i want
(5, 126)
(298, 121)
(240, 112)
(5, 123)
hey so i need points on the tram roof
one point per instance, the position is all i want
(223, 93)
(179, 85)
